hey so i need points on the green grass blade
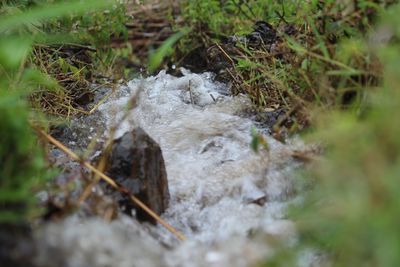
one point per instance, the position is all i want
(157, 57)
(38, 14)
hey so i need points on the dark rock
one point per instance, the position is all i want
(265, 32)
(262, 36)
(136, 162)
(196, 60)
(259, 201)
(16, 245)
(255, 39)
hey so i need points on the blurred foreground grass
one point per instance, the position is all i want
(352, 213)
(22, 166)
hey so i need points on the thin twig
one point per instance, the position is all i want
(67, 45)
(226, 55)
(190, 92)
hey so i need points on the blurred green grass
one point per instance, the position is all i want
(351, 214)
(22, 164)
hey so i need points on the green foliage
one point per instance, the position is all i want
(258, 140)
(214, 18)
(352, 213)
(320, 57)
(85, 21)
(233, 16)
(57, 29)
(21, 161)
(95, 27)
